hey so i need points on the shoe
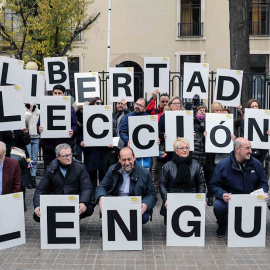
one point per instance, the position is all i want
(221, 231)
(210, 201)
(34, 183)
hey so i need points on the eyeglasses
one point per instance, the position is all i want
(139, 105)
(176, 104)
(119, 103)
(183, 148)
(66, 156)
(99, 103)
(164, 101)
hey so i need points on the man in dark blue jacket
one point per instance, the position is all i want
(127, 178)
(239, 173)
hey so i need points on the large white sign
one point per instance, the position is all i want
(10, 71)
(186, 219)
(55, 114)
(196, 77)
(86, 86)
(121, 84)
(156, 74)
(143, 135)
(179, 124)
(11, 108)
(247, 221)
(121, 223)
(59, 222)
(97, 125)
(219, 127)
(256, 126)
(12, 224)
(56, 72)
(33, 85)
(228, 87)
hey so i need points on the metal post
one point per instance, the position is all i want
(109, 35)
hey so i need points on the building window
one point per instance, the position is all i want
(188, 59)
(74, 67)
(259, 14)
(190, 19)
(259, 63)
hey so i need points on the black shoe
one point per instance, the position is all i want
(221, 231)
(30, 186)
(210, 201)
(34, 183)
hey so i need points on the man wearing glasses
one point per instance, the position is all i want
(65, 175)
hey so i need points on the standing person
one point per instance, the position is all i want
(239, 173)
(180, 175)
(79, 134)
(31, 119)
(48, 145)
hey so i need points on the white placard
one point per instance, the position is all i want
(196, 77)
(11, 108)
(256, 126)
(219, 127)
(177, 123)
(97, 125)
(228, 87)
(56, 72)
(33, 85)
(186, 219)
(10, 71)
(156, 74)
(55, 116)
(86, 86)
(121, 84)
(245, 228)
(59, 222)
(12, 224)
(143, 135)
(121, 223)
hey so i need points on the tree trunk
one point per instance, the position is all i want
(239, 43)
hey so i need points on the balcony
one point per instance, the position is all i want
(190, 29)
(259, 28)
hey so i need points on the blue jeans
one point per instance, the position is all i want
(33, 149)
(221, 212)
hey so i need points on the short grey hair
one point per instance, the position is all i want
(4, 147)
(61, 146)
(178, 141)
(237, 143)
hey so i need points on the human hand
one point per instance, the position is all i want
(82, 144)
(226, 197)
(155, 93)
(100, 204)
(37, 211)
(266, 196)
(82, 208)
(40, 129)
(166, 204)
(144, 208)
(70, 133)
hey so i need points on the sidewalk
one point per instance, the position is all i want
(155, 254)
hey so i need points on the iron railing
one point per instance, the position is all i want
(259, 28)
(190, 29)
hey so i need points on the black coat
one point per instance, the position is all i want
(76, 182)
(167, 180)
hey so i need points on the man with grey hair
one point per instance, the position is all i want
(239, 173)
(65, 175)
(10, 173)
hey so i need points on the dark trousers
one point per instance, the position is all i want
(221, 212)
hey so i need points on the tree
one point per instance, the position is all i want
(239, 41)
(43, 27)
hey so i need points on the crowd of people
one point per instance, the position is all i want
(70, 167)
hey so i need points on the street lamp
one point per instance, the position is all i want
(31, 65)
(6, 53)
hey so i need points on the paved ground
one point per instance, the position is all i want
(155, 254)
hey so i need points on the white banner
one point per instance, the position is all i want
(55, 116)
(59, 222)
(247, 221)
(143, 135)
(228, 87)
(121, 223)
(156, 74)
(186, 219)
(12, 224)
(219, 127)
(121, 84)
(11, 108)
(196, 77)
(256, 126)
(33, 85)
(97, 125)
(56, 72)
(86, 86)
(179, 124)
(10, 71)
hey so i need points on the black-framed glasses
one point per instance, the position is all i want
(183, 148)
(139, 105)
(66, 156)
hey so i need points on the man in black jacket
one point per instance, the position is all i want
(65, 175)
(127, 178)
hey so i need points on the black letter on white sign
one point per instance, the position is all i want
(82, 90)
(236, 89)
(213, 136)
(136, 134)
(117, 85)
(51, 117)
(89, 126)
(4, 75)
(253, 123)
(156, 68)
(53, 72)
(10, 118)
(192, 83)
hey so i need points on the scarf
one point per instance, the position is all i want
(200, 117)
(183, 176)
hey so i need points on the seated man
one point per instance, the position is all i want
(127, 178)
(10, 173)
(239, 173)
(65, 175)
